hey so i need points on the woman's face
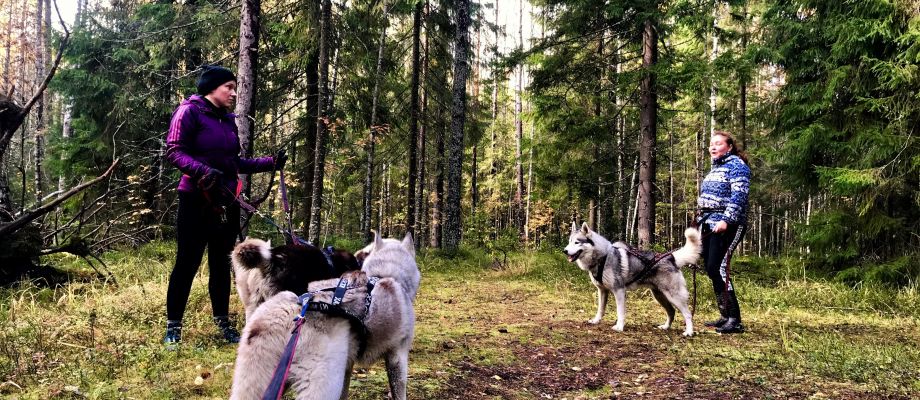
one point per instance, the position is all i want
(224, 96)
(718, 146)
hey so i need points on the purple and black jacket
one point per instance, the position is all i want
(201, 137)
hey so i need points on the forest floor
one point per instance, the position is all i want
(484, 332)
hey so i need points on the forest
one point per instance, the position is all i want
(485, 128)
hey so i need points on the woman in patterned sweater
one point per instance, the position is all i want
(723, 205)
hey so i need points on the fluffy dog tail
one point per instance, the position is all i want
(251, 254)
(691, 250)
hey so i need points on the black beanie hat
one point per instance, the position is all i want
(212, 76)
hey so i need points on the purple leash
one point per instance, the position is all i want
(275, 388)
(282, 186)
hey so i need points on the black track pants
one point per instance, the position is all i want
(198, 226)
(717, 250)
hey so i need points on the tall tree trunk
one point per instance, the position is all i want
(7, 73)
(519, 133)
(474, 171)
(372, 139)
(247, 80)
(595, 203)
(413, 117)
(380, 208)
(671, 226)
(713, 90)
(66, 133)
(493, 168)
(437, 214)
(742, 83)
(325, 41)
(648, 119)
(387, 226)
(527, 236)
(421, 200)
(452, 210)
(308, 165)
(623, 189)
(39, 133)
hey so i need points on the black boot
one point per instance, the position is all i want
(173, 334)
(227, 330)
(723, 311)
(733, 324)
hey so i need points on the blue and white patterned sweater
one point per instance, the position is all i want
(726, 186)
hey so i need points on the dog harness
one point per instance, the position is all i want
(648, 264)
(276, 387)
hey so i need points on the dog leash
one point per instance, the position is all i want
(288, 233)
(276, 387)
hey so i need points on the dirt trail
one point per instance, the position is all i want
(580, 361)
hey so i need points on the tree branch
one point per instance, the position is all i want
(31, 216)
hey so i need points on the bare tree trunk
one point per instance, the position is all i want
(372, 139)
(309, 149)
(413, 117)
(380, 208)
(474, 171)
(39, 133)
(325, 42)
(387, 226)
(529, 184)
(452, 210)
(7, 73)
(519, 133)
(66, 132)
(743, 82)
(493, 168)
(592, 212)
(247, 80)
(421, 200)
(713, 90)
(632, 202)
(648, 118)
(437, 217)
(671, 233)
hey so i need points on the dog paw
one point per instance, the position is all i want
(618, 328)
(687, 333)
(664, 326)
(594, 321)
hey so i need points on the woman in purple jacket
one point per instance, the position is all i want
(202, 142)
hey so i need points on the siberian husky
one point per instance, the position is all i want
(619, 268)
(329, 345)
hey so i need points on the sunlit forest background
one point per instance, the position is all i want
(482, 124)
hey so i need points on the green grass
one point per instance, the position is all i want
(515, 331)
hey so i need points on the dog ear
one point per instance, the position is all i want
(378, 241)
(409, 243)
(585, 229)
(574, 227)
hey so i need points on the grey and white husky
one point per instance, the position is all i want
(328, 346)
(615, 267)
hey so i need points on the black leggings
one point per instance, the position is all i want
(717, 250)
(199, 225)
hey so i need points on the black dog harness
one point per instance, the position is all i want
(276, 387)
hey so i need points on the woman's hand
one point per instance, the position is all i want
(280, 158)
(720, 226)
(209, 179)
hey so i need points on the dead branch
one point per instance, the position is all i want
(14, 226)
